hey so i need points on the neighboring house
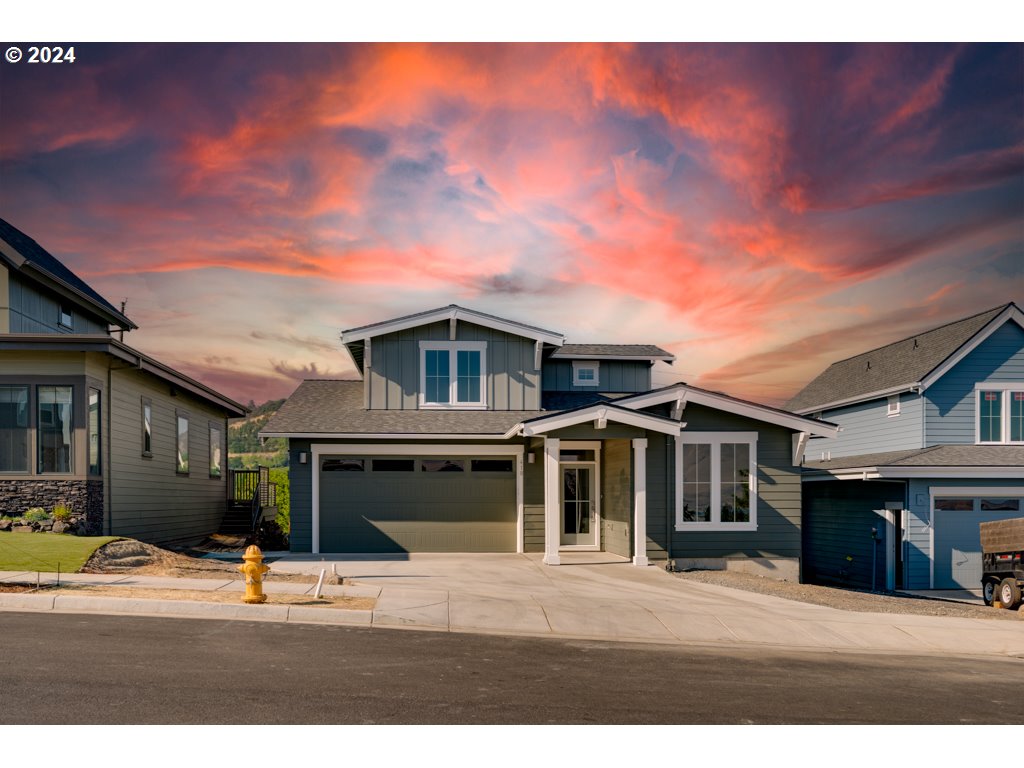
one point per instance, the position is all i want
(85, 419)
(931, 444)
(473, 433)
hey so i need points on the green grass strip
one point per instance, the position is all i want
(43, 551)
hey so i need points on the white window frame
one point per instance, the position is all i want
(586, 365)
(893, 407)
(1005, 387)
(715, 440)
(453, 347)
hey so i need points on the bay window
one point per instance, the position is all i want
(716, 481)
(453, 374)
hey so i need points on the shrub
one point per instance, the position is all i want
(36, 515)
(62, 512)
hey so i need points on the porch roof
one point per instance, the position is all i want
(601, 413)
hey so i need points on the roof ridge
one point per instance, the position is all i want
(1000, 308)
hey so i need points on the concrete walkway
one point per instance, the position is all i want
(592, 595)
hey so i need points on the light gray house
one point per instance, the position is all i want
(931, 445)
(85, 419)
(474, 433)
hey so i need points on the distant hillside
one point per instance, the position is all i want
(244, 447)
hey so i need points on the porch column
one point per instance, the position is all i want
(640, 501)
(552, 537)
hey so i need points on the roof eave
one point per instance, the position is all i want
(60, 286)
(866, 397)
(451, 313)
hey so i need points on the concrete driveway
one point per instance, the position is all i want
(600, 596)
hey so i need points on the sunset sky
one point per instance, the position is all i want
(758, 210)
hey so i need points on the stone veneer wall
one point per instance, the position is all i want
(84, 496)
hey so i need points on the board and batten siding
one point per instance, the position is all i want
(147, 499)
(867, 428)
(616, 497)
(778, 497)
(393, 379)
(36, 311)
(613, 376)
(950, 405)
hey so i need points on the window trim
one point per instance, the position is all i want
(63, 310)
(894, 400)
(30, 436)
(1006, 388)
(37, 431)
(144, 403)
(586, 365)
(715, 440)
(453, 348)
(88, 432)
(178, 416)
(212, 426)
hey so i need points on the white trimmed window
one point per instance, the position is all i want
(999, 412)
(894, 405)
(586, 373)
(453, 374)
(716, 481)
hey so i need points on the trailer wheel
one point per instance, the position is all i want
(988, 591)
(1009, 593)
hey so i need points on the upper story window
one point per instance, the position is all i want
(894, 405)
(1000, 412)
(453, 374)
(716, 481)
(586, 373)
(64, 317)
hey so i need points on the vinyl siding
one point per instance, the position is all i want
(616, 497)
(393, 379)
(147, 499)
(778, 501)
(837, 522)
(613, 376)
(867, 428)
(950, 405)
(35, 311)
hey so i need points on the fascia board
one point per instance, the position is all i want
(446, 314)
(866, 397)
(384, 436)
(618, 415)
(641, 358)
(997, 322)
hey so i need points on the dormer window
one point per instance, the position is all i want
(1000, 412)
(453, 374)
(64, 317)
(586, 373)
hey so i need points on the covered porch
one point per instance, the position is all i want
(587, 474)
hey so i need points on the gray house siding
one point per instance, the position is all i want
(616, 497)
(837, 522)
(950, 409)
(147, 499)
(778, 499)
(613, 375)
(393, 379)
(867, 428)
(35, 311)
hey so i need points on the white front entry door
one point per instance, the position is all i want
(578, 498)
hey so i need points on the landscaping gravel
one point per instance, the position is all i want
(848, 599)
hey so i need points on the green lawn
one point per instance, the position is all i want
(43, 551)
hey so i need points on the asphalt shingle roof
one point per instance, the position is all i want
(901, 363)
(936, 456)
(336, 407)
(611, 350)
(45, 261)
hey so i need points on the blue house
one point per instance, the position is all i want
(931, 444)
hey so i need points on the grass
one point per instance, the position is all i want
(43, 551)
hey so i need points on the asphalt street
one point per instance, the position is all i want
(120, 670)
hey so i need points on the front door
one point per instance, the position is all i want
(579, 505)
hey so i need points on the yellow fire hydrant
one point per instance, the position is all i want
(253, 568)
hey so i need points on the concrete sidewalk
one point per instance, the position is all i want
(593, 596)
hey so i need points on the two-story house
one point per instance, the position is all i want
(474, 433)
(931, 444)
(138, 447)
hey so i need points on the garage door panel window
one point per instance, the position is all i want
(394, 465)
(505, 466)
(342, 465)
(999, 505)
(442, 465)
(954, 505)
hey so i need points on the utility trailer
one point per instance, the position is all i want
(1002, 558)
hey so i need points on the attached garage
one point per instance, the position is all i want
(956, 543)
(435, 500)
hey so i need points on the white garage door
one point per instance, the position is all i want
(957, 541)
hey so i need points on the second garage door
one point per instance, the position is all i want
(957, 537)
(386, 504)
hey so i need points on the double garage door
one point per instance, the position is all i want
(388, 504)
(957, 538)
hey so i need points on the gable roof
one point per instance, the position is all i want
(602, 412)
(612, 352)
(903, 365)
(451, 312)
(26, 255)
